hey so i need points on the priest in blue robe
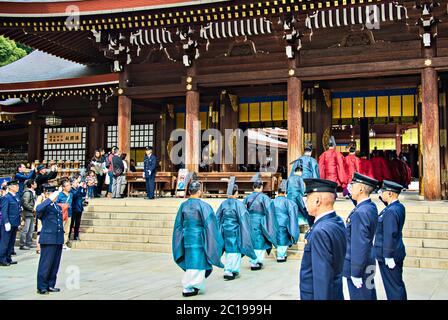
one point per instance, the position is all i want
(197, 242)
(263, 223)
(296, 191)
(234, 225)
(286, 213)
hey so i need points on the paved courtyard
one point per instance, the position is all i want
(103, 275)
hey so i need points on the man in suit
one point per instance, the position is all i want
(389, 247)
(359, 265)
(325, 245)
(43, 176)
(22, 176)
(149, 173)
(10, 223)
(51, 240)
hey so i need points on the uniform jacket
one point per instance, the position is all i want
(389, 233)
(310, 167)
(22, 177)
(361, 227)
(43, 178)
(11, 210)
(28, 200)
(352, 165)
(79, 195)
(52, 231)
(323, 260)
(150, 164)
(332, 167)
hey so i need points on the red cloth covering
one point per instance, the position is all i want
(401, 172)
(381, 169)
(352, 165)
(365, 168)
(332, 167)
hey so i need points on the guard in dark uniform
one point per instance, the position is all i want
(150, 165)
(360, 265)
(325, 245)
(10, 222)
(389, 247)
(51, 241)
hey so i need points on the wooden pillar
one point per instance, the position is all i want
(430, 135)
(193, 130)
(168, 125)
(124, 124)
(228, 120)
(35, 143)
(398, 139)
(322, 119)
(364, 136)
(295, 133)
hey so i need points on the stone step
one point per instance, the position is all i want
(129, 216)
(427, 253)
(128, 230)
(425, 234)
(122, 246)
(425, 243)
(135, 209)
(127, 223)
(127, 238)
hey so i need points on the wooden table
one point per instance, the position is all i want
(217, 181)
(165, 181)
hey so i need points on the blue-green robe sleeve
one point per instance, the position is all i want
(316, 173)
(245, 241)
(293, 226)
(178, 239)
(269, 221)
(214, 244)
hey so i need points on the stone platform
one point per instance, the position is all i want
(141, 225)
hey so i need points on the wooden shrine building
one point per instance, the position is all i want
(130, 72)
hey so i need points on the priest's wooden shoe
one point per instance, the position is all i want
(191, 294)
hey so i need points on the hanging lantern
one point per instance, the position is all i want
(53, 121)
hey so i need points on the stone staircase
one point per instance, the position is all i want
(141, 225)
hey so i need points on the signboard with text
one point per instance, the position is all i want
(68, 137)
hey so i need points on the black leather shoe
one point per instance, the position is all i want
(24, 248)
(281, 260)
(191, 294)
(13, 253)
(54, 290)
(5, 264)
(42, 291)
(258, 267)
(13, 262)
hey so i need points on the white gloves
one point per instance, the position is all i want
(149, 172)
(390, 262)
(7, 227)
(54, 196)
(357, 282)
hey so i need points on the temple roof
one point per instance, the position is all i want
(40, 71)
(54, 8)
(40, 66)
